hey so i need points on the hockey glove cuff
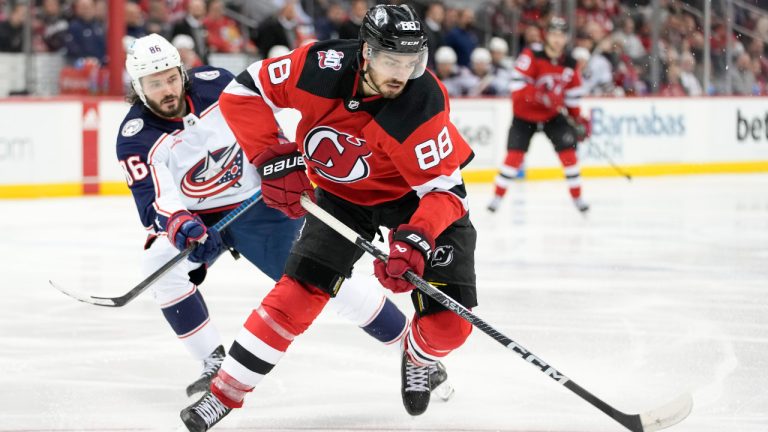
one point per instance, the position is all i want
(283, 178)
(409, 249)
(184, 228)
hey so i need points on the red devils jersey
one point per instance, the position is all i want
(535, 70)
(367, 150)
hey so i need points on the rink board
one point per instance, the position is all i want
(65, 147)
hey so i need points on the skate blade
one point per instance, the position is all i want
(444, 391)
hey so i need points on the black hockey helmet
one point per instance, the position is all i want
(557, 23)
(393, 28)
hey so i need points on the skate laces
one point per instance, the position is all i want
(210, 409)
(212, 363)
(417, 377)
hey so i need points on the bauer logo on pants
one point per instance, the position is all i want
(443, 256)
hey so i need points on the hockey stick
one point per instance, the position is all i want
(663, 417)
(608, 159)
(143, 285)
(598, 150)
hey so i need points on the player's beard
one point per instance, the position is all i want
(176, 111)
(383, 87)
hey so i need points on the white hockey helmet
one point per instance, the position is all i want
(497, 44)
(148, 55)
(445, 54)
(480, 55)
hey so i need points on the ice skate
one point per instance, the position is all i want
(417, 384)
(581, 205)
(494, 204)
(203, 414)
(438, 382)
(211, 365)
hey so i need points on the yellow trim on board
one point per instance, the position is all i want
(43, 190)
(487, 175)
(114, 188)
(470, 176)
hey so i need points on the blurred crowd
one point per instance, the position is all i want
(472, 43)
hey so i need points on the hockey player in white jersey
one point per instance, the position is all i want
(186, 171)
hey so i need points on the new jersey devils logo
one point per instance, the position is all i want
(218, 171)
(443, 256)
(335, 155)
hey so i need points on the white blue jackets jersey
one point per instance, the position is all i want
(192, 163)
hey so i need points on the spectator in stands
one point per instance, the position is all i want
(134, 21)
(158, 18)
(186, 46)
(761, 28)
(12, 30)
(581, 55)
(743, 80)
(85, 36)
(761, 77)
(505, 19)
(532, 37)
(756, 50)
(53, 25)
(327, 27)
(633, 46)
(279, 29)
(626, 77)
(192, 25)
(597, 75)
(688, 78)
(224, 34)
(489, 82)
(433, 20)
(257, 11)
(463, 38)
(594, 11)
(457, 79)
(500, 60)
(673, 86)
(351, 28)
(451, 19)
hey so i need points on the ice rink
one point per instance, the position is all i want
(662, 289)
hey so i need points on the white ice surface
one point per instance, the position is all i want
(662, 289)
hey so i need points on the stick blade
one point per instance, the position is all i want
(667, 415)
(98, 301)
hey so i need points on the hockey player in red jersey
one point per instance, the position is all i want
(546, 93)
(377, 140)
(186, 171)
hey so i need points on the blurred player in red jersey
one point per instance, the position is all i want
(376, 138)
(546, 93)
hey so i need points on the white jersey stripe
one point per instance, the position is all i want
(258, 347)
(443, 184)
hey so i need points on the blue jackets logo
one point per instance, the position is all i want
(218, 171)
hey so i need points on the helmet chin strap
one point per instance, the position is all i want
(367, 79)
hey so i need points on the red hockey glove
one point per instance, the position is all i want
(409, 249)
(283, 178)
(583, 128)
(551, 99)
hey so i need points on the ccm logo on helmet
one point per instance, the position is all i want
(409, 43)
